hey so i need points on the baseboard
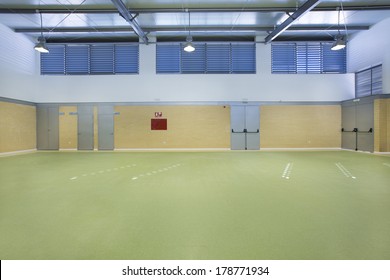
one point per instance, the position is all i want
(301, 149)
(173, 150)
(14, 153)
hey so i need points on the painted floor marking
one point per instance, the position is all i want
(344, 170)
(155, 172)
(103, 171)
(387, 164)
(287, 171)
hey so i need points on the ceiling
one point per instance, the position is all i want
(99, 20)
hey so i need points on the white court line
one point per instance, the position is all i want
(344, 170)
(102, 171)
(287, 171)
(155, 172)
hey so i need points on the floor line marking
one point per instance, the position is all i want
(344, 170)
(155, 172)
(387, 164)
(287, 171)
(73, 178)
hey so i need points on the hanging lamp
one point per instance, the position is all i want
(41, 45)
(189, 46)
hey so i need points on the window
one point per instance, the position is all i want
(368, 82)
(90, 59)
(208, 58)
(307, 58)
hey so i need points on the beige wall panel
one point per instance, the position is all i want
(388, 125)
(382, 125)
(68, 127)
(304, 126)
(17, 127)
(188, 127)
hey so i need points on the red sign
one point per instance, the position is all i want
(159, 124)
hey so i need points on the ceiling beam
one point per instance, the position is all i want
(34, 10)
(125, 13)
(178, 29)
(306, 7)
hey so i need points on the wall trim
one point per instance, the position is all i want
(17, 101)
(14, 153)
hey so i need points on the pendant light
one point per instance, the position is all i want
(340, 41)
(188, 46)
(41, 45)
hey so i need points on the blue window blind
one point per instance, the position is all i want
(218, 58)
(102, 59)
(194, 62)
(126, 59)
(243, 58)
(307, 58)
(77, 59)
(168, 58)
(333, 61)
(208, 58)
(284, 58)
(53, 63)
(368, 82)
(94, 59)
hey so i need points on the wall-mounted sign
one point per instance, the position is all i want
(157, 114)
(159, 124)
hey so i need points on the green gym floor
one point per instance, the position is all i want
(195, 205)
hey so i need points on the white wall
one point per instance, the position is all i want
(149, 87)
(371, 48)
(17, 66)
(20, 83)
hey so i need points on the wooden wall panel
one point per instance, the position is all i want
(382, 125)
(301, 126)
(68, 127)
(188, 127)
(17, 127)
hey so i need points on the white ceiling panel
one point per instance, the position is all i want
(74, 19)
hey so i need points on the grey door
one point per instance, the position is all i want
(252, 121)
(237, 123)
(106, 127)
(48, 128)
(245, 123)
(348, 140)
(365, 124)
(358, 124)
(85, 127)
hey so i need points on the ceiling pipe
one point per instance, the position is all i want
(125, 13)
(306, 7)
(192, 10)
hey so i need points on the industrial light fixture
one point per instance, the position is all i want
(189, 47)
(41, 45)
(340, 41)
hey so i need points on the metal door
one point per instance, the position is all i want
(237, 123)
(348, 139)
(106, 127)
(48, 128)
(365, 124)
(85, 127)
(252, 125)
(245, 123)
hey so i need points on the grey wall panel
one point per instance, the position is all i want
(42, 129)
(85, 127)
(53, 113)
(106, 127)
